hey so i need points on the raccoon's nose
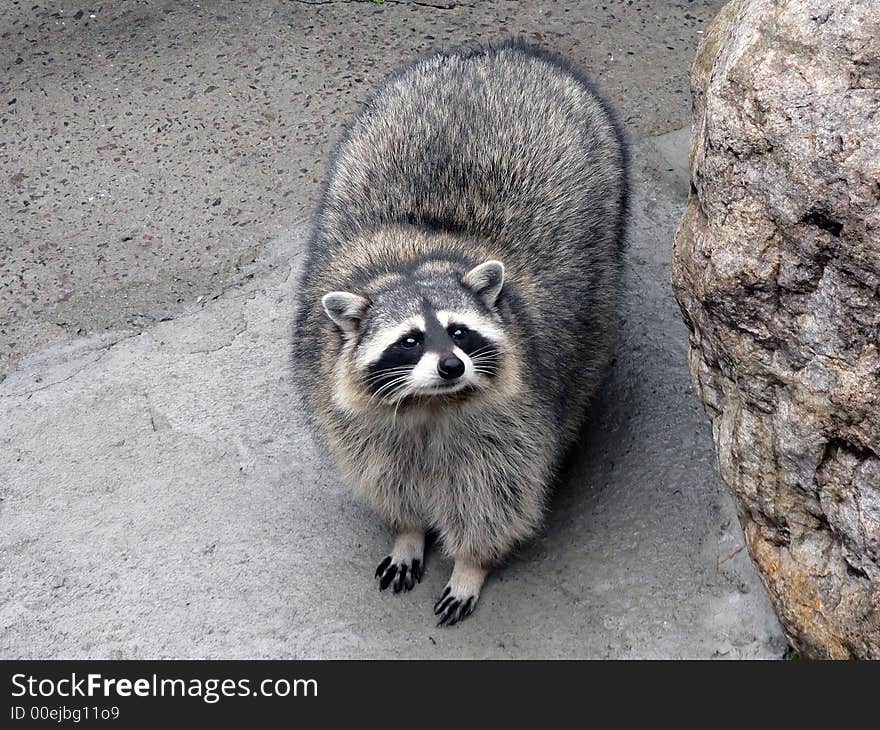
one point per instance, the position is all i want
(450, 368)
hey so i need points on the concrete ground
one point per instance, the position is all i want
(149, 150)
(162, 498)
(159, 493)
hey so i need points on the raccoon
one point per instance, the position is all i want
(457, 307)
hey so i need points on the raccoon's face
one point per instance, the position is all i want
(428, 335)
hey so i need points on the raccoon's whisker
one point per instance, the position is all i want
(391, 370)
(389, 375)
(388, 388)
(485, 372)
(485, 350)
(485, 368)
(377, 394)
(484, 358)
(397, 405)
(400, 393)
(385, 373)
(391, 388)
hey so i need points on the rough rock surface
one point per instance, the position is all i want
(776, 269)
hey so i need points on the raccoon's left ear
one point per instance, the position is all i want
(486, 281)
(345, 309)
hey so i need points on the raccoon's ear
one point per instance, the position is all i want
(486, 281)
(345, 309)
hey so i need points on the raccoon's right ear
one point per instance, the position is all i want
(345, 309)
(486, 281)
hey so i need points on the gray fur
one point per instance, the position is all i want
(464, 157)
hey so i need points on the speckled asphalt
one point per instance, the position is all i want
(150, 149)
(160, 495)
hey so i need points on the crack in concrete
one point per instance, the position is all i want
(231, 342)
(102, 352)
(29, 393)
(104, 349)
(229, 293)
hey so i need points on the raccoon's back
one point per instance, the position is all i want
(507, 144)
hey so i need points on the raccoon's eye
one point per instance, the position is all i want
(410, 341)
(458, 333)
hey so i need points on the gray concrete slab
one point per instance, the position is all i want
(161, 497)
(149, 150)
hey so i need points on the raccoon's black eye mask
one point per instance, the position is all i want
(395, 363)
(411, 340)
(467, 340)
(483, 352)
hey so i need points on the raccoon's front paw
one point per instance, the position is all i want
(404, 574)
(406, 564)
(461, 594)
(452, 607)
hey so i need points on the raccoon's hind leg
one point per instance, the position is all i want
(461, 593)
(406, 563)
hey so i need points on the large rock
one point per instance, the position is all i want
(777, 272)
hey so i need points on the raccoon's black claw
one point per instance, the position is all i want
(387, 577)
(440, 600)
(452, 609)
(400, 576)
(384, 564)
